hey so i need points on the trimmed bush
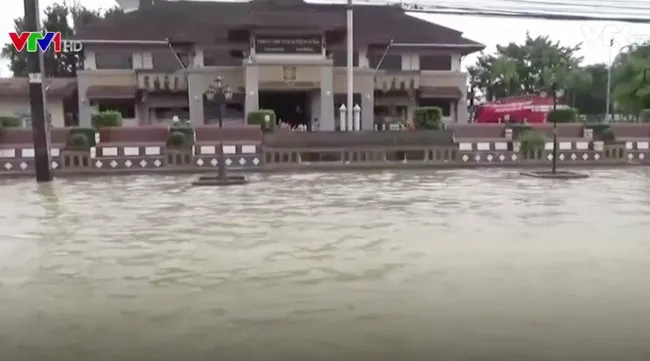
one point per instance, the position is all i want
(89, 133)
(518, 129)
(10, 122)
(179, 140)
(531, 141)
(107, 119)
(428, 118)
(602, 131)
(78, 141)
(183, 127)
(607, 136)
(644, 116)
(259, 116)
(565, 115)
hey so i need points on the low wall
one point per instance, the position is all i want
(144, 150)
(288, 139)
(135, 149)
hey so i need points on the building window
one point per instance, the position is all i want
(390, 61)
(114, 60)
(125, 107)
(340, 58)
(167, 60)
(435, 62)
(444, 104)
(219, 57)
(167, 114)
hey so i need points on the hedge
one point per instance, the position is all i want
(428, 118)
(518, 129)
(644, 116)
(10, 122)
(106, 119)
(565, 115)
(531, 141)
(259, 118)
(181, 135)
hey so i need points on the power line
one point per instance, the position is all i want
(543, 6)
(525, 9)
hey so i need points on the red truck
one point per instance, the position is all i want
(529, 109)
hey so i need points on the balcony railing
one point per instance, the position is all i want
(162, 82)
(395, 80)
(443, 78)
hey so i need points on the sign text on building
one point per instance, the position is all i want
(34, 41)
(288, 45)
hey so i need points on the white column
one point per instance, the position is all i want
(350, 63)
(357, 117)
(343, 117)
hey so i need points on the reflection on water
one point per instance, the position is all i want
(458, 265)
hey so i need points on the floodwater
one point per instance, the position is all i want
(453, 265)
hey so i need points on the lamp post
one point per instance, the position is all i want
(218, 94)
(556, 93)
(609, 74)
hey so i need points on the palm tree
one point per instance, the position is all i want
(632, 79)
(504, 74)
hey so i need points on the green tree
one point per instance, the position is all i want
(525, 69)
(64, 18)
(504, 75)
(578, 81)
(592, 100)
(631, 80)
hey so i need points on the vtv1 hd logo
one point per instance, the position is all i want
(33, 41)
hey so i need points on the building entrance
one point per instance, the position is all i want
(291, 107)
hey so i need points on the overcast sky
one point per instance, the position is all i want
(490, 31)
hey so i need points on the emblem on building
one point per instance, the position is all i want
(289, 73)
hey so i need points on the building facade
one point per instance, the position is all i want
(285, 55)
(60, 105)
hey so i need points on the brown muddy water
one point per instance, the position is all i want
(452, 265)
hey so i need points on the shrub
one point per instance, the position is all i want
(78, 141)
(89, 133)
(259, 116)
(178, 139)
(428, 118)
(607, 135)
(565, 115)
(602, 131)
(183, 127)
(106, 119)
(644, 116)
(518, 129)
(181, 135)
(10, 122)
(531, 141)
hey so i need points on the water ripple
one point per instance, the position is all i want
(328, 265)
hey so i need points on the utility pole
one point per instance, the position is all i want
(37, 99)
(350, 64)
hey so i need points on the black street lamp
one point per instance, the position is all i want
(219, 94)
(556, 93)
(554, 174)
